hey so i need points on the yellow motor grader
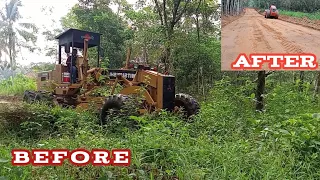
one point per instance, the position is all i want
(158, 90)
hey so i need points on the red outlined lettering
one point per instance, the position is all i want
(58, 156)
(276, 62)
(77, 157)
(242, 62)
(121, 157)
(309, 61)
(101, 157)
(20, 157)
(40, 157)
(80, 157)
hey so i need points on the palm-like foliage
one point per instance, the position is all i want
(15, 35)
(3, 43)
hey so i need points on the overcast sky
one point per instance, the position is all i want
(31, 11)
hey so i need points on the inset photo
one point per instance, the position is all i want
(288, 29)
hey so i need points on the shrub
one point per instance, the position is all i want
(16, 85)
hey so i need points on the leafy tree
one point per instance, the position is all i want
(147, 38)
(170, 14)
(16, 35)
(42, 66)
(50, 33)
(292, 5)
(187, 30)
(96, 16)
(3, 43)
(194, 45)
(234, 7)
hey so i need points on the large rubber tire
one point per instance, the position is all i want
(44, 98)
(28, 96)
(39, 97)
(188, 103)
(114, 102)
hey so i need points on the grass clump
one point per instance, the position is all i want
(312, 16)
(227, 140)
(17, 85)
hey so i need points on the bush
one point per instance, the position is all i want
(17, 85)
(312, 16)
(39, 120)
(227, 140)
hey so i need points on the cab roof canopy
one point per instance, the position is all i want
(74, 38)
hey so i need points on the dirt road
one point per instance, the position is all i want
(10, 99)
(252, 33)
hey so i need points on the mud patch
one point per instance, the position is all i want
(289, 46)
(10, 99)
(259, 42)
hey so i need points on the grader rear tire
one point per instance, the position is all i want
(38, 97)
(44, 98)
(28, 97)
(114, 102)
(188, 103)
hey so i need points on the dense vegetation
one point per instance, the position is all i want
(188, 49)
(17, 85)
(312, 16)
(229, 139)
(308, 6)
(233, 7)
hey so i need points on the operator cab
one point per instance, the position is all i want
(72, 39)
(273, 8)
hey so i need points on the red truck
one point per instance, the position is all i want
(272, 12)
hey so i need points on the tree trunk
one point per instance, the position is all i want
(316, 87)
(167, 68)
(11, 46)
(203, 87)
(145, 54)
(198, 39)
(301, 81)
(260, 90)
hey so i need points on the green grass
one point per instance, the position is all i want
(312, 16)
(228, 140)
(17, 85)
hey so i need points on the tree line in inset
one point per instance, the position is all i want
(235, 7)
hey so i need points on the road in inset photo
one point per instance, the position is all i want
(253, 33)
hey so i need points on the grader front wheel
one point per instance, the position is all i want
(115, 103)
(112, 103)
(189, 105)
(29, 96)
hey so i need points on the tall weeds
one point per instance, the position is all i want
(16, 85)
